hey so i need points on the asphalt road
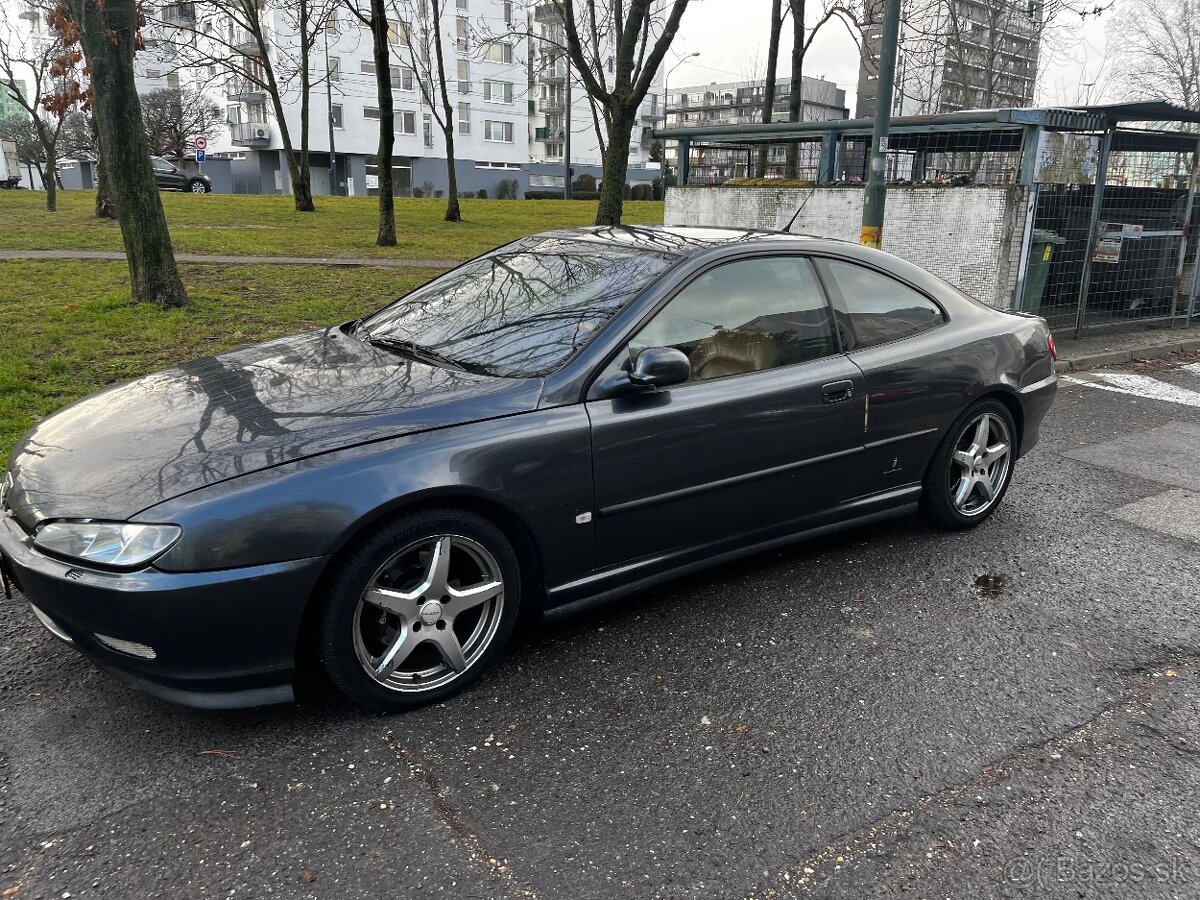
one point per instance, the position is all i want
(896, 712)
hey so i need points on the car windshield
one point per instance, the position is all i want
(518, 312)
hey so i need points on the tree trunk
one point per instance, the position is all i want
(106, 204)
(453, 213)
(616, 166)
(768, 108)
(796, 90)
(108, 31)
(387, 124)
(302, 186)
(50, 175)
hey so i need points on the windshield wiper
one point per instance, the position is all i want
(415, 351)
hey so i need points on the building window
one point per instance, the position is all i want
(173, 81)
(499, 52)
(335, 69)
(367, 67)
(331, 24)
(464, 76)
(508, 10)
(402, 78)
(406, 122)
(498, 91)
(464, 118)
(463, 44)
(460, 4)
(427, 128)
(233, 115)
(256, 113)
(397, 32)
(335, 115)
(554, 151)
(498, 132)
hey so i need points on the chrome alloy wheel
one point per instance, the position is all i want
(428, 613)
(980, 465)
(198, 187)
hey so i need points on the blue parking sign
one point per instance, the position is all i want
(199, 156)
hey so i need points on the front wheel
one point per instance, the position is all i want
(972, 467)
(198, 187)
(420, 609)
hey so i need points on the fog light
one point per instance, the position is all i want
(132, 648)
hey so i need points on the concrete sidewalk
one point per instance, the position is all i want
(242, 260)
(1116, 347)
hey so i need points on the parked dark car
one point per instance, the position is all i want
(171, 178)
(568, 418)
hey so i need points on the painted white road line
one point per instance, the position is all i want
(1138, 386)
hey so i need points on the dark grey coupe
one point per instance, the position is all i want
(567, 418)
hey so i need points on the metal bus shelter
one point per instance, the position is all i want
(1111, 191)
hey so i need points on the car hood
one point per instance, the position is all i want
(118, 452)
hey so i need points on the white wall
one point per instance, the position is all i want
(970, 236)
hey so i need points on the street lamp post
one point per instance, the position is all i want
(666, 91)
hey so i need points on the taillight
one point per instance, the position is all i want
(1053, 349)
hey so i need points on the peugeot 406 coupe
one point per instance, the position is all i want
(562, 420)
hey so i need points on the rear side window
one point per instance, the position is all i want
(873, 309)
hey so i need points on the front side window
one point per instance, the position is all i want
(520, 311)
(746, 316)
(872, 308)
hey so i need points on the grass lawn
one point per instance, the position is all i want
(270, 226)
(72, 330)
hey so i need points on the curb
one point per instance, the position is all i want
(1120, 357)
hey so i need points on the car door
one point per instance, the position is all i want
(754, 441)
(915, 386)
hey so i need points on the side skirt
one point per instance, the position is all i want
(903, 502)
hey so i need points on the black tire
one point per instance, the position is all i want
(945, 476)
(196, 182)
(351, 628)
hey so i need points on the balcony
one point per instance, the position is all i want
(179, 14)
(245, 91)
(550, 105)
(546, 12)
(30, 12)
(250, 134)
(245, 43)
(548, 134)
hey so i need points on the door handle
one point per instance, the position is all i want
(837, 391)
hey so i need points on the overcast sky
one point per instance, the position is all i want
(731, 38)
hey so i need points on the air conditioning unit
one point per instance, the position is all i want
(260, 133)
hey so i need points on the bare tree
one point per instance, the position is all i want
(422, 33)
(768, 105)
(375, 18)
(109, 33)
(240, 44)
(175, 116)
(1158, 51)
(633, 40)
(40, 54)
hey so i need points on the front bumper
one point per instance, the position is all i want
(219, 639)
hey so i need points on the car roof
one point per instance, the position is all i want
(676, 240)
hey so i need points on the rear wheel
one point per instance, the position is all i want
(972, 467)
(420, 609)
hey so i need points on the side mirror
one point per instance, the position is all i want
(660, 367)
(655, 367)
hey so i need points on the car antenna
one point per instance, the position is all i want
(796, 214)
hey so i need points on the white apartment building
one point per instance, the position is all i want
(507, 90)
(552, 79)
(955, 54)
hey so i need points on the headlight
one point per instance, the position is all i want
(124, 544)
